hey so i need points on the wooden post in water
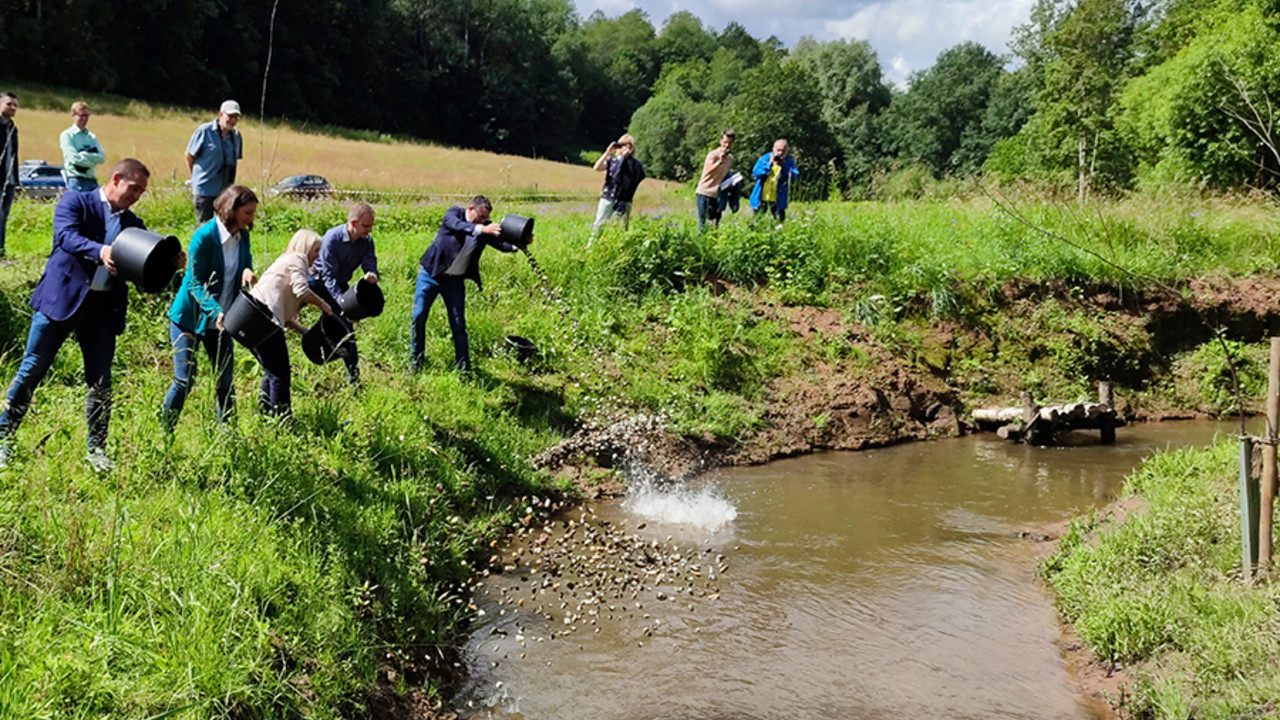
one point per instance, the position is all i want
(1030, 413)
(1105, 425)
(1268, 484)
(1248, 510)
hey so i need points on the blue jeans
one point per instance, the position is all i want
(79, 184)
(273, 354)
(708, 209)
(454, 292)
(217, 345)
(6, 202)
(93, 328)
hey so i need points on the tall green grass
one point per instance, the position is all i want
(1162, 589)
(272, 570)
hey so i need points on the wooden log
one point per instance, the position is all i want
(1012, 431)
(1050, 413)
(1076, 411)
(997, 415)
(1093, 411)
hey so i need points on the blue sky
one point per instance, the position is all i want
(907, 35)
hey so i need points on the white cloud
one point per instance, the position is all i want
(907, 35)
(915, 32)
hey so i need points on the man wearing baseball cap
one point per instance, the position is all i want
(211, 157)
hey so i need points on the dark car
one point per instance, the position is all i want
(302, 186)
(41, 181)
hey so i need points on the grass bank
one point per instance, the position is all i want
(1159, 592)
(281, 570)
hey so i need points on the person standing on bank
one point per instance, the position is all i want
(451, 259)
(773, 172)
(714, 170)
(220, 263)
(212, 153)
(81, 151)
(8, 160)
(79, 293)
(342, 250)
(284, 288)
(622, 175)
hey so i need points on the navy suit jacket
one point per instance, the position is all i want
(79, 227)
(457, 237)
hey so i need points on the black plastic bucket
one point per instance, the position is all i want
(362, 300)
(249, 321)
(323, 342)
(523, 348)
(516, 229)
(146, 258)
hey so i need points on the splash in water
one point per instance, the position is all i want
(700, 507)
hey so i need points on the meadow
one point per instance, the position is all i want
(280, 569)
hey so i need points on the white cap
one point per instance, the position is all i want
(230, 107)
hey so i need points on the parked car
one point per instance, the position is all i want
(39, 180)
(302, 186)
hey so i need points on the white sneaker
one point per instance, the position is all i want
(98, 460)
(6, 453)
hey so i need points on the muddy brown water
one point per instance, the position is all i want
(889, 583)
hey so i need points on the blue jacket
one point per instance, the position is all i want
(459, 238)
(195, 308)
(761, 173)
(79, 227)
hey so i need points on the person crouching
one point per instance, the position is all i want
(284, 289)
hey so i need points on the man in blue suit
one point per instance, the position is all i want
(80, 294)
(453, 257)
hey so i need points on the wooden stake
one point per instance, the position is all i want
(1105, 424)
(1268, 483)
(1248, 510)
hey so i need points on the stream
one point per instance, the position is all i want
(888, 583)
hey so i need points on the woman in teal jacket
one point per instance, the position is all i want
(219, 262)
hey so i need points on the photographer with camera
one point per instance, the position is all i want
(773, 173)
(81, 151)
(623, 174)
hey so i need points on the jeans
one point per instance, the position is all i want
(218, 346)
(708, 209)
(352, 355)
(6, 202)
(273, 354)
(454, 292)
(79, 184)
(607, 209)
(204, 207)
(93, 329)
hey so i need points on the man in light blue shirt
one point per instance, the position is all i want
(211, 157)
(81, 151)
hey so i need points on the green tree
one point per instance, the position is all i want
(683, 38)
(851, 95)
(782, 100)
(938, 122)
(1079, 55)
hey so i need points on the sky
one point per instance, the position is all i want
(907, 35)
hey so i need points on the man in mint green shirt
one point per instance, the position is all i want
(81, 151)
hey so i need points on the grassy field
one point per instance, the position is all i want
(285, 570)
(352, 160)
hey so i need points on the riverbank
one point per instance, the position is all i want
(321, 567)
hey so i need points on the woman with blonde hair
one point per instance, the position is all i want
(283, 288)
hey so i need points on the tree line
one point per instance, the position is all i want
(1096, 95)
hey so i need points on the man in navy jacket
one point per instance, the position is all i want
(446, 265)
(80, 294)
